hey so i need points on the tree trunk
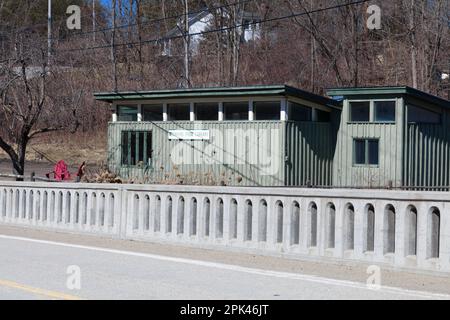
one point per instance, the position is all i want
(413, 46)
(19, 164)
(113, 49)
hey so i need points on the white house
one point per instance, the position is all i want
(249, 29)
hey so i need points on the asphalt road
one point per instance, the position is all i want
(40, 269)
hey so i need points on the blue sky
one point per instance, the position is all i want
(106, 3)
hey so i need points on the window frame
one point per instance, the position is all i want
(170, 106)
(408, 105)
(371, 111)
(349, 107)
(134, 106)
(366, 152)
(256, 113)
(373, 105)
(147, 154)
(143, 113)
(226, 105)
(198, 105)
(294, 104)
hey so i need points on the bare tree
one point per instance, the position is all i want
(24, 106)
(113, 44)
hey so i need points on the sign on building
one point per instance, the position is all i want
(188, 134)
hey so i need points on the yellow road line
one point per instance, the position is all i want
(38, 291)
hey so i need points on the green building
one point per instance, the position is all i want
(392, 136)
(280, 136)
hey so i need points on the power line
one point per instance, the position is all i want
(219, 29)
(25, 28)
(152, 21)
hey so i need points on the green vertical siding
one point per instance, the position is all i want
(427, 156)
(309, 150)
(235, 139)
(390, 136)
(301, 153)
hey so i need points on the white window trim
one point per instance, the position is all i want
(221, 112)
(192, 115)
(140, 116)
(251, 111)
(284, 112)
(114, 113)
(165, 112)
(284, 106)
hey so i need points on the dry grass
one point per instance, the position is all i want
(72, 148)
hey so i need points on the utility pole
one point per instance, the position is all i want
(413, 44)
(186, 44)
(93, 19)
(113, 44)
(49, 35)
(313, 52)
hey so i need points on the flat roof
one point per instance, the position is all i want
(405, 90)
(249, 91)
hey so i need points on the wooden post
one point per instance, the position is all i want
(221, 111)
(192, 111)
(251, 114)
(140, 116)
(165, 112)
(284, 110)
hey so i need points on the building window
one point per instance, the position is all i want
(236, 111)
(152, 112)
(421, 115)
(267, 110)
(297, 112)
(127, 113)
(360, 111)
(207, 111)
(179, 112)
(384, 111)
(366, 152)
(323, 116)
(136, 148)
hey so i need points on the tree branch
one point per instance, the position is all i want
(44, 130)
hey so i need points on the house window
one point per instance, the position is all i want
(421, 115)
(384, 111)
(236, 111)
(179, 112)
(267, 110)
(136, 148)
(360, 111)
(297, 112)
(207, 111)
(323, 116)
(127, 113)
(366, 152)
(152, 112)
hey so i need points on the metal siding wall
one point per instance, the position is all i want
(310, 150)
(427, 162)
(201, 172)
(390, 137)
(347, 174)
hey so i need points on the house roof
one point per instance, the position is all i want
(192, 19)
(249, 91)
(198, 16)
(406, 91)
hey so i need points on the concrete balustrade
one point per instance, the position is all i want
(409, 230)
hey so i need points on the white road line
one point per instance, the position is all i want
(268, 273)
